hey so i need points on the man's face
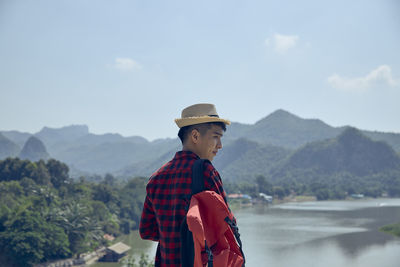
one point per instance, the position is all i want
(210, 142)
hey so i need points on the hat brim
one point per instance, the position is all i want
(197, 120)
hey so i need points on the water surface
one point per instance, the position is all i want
(323, 233)
(311, 234)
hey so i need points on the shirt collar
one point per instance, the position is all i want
(186, 154)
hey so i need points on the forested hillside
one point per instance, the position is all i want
(350, 163)
(282, 128)
(88, 153)
(34, 150)
(242, 160)
(350, 152)
(46, 215)
(7, 147)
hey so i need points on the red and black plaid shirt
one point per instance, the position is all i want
(168, 194)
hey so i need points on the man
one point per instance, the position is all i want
(169, 188)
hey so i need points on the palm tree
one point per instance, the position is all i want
(83, 230)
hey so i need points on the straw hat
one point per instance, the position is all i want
(199, 113)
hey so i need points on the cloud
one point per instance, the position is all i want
(381, 76)
(126, 64)
(282, 43)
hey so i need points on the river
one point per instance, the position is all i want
(314, 234)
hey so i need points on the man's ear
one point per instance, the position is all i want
(194, 135)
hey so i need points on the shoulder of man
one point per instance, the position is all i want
(160, 170)
(210, 170)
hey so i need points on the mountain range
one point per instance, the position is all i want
(269, 146)
(351, 153)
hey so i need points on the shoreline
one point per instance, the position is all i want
(236, 204)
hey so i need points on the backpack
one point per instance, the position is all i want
(209, 234)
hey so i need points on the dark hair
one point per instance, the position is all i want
(201, 127)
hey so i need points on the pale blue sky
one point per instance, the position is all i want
(130, 67)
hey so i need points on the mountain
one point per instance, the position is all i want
(266, 143)
(57, 138)
(87, 152)
(94, 139)
(101, 153)
(233, 151)
(18, 138)
(282, 128)
(97, 155)
(7, 147)
(147, 168)
(34, 150)
(103, 157)
(393, 139)
(351, 152)
(242, 160)
(253, 149)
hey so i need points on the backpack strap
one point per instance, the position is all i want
(197, 176)
(235, 230)
(210, 256)
(187, 250)
(187, 245)
(197, 187)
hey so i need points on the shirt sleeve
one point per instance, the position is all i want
(148, 227)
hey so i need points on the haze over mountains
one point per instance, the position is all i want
(279, 139)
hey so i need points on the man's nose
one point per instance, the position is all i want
(219, 144)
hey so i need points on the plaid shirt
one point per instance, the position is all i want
(168, 194)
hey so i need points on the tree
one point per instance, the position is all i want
(279, 192)
(58, 172)
(263, 185)
(394, 191)
(103, 193)
(109, 180)
(322, 194)
(144, 261)
(29, 239)
(14, 169)
(83, 231)
(40, 174)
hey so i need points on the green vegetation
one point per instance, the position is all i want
(335, 168)
(144, 261)
(45, 215)
(332, 169)
(323, 187)
(393, 229)
(7, 147)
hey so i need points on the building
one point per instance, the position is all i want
(115, 252)
(266, 197)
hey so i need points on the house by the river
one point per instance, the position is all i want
(115, 252)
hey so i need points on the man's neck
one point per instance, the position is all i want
(189, 148)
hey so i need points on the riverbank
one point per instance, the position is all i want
(294, 199)
(243, 203)
(235, 204)
(138, 247)
(320, 233)
(393, 229)
(299, 227)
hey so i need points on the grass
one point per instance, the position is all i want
(393, 229)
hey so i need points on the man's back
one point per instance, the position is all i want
(168, 193)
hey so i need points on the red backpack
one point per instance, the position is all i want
(209, 234)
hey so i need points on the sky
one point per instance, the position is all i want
(130, 67)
